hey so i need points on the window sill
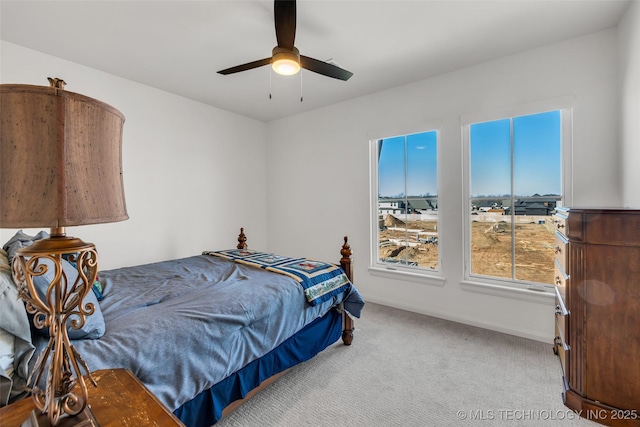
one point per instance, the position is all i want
(398, 274)
(546, 297)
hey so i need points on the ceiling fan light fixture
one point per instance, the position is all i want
(285, 58)
(285, 62)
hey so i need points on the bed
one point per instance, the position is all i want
(207, 331)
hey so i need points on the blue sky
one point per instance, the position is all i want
(536, 156)
(421, 169)
(536, 159)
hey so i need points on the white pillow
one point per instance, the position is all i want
(16, 349)
(7, 347)
(4, 261)
(7, 340)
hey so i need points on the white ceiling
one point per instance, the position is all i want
(178, 46)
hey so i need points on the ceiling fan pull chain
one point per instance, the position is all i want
(269, 82)
(300, 86)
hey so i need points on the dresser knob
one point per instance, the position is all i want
(558, 310)
(558, 281)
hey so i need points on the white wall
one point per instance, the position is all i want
(193, 174)
(318, 169)
(629, 45)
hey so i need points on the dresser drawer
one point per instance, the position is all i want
(561, 249)
(561, 348)
(561, 307)
(560, 221)
(560, 279)
(561, 318)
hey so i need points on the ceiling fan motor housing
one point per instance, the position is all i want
(285, 61)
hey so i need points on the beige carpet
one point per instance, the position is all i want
(406, 369)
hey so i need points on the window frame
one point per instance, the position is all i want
(490, 284)
(400, 271)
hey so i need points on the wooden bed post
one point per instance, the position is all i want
(345, 263)
(242, 240)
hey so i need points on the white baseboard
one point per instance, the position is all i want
(524, 333)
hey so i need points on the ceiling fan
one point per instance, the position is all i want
(285, 58)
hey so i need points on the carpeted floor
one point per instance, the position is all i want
(406, 369)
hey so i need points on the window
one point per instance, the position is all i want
(405, 211)
(514, 171)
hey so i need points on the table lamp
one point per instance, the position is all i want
(60, 165)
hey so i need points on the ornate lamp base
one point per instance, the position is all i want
(62, 402)
(83, 419)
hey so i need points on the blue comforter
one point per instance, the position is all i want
(320, 280)
(183, 325)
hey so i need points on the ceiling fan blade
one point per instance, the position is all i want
(284, 15)
(324, 68)
(245, 67)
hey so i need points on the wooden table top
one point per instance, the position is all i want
(119, 400)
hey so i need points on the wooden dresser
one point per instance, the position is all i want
(597, 273)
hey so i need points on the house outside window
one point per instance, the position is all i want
(405, 202)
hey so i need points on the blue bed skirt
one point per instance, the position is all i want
(206, 408)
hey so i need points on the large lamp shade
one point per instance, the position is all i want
(60, 159)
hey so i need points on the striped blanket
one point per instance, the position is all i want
(320, 280)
